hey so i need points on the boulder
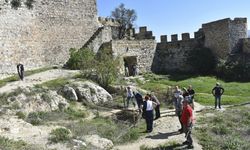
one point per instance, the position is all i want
(69, 93)
(45, 101)
(91, 93)
(98, 142)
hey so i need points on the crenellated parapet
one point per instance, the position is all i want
(106, 21)
(144, 34)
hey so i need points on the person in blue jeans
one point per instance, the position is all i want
(217, 91)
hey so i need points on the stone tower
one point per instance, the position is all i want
(43, 35)
(225, 36)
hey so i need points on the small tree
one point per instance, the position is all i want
(125, 17)
(80, 59)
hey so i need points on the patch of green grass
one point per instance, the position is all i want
(4, 97)
(54, 84)
(27, 73)
(8, 144)
(224, 130)
(21, 115)
(118, 132)
(59, 135)
(235, 92)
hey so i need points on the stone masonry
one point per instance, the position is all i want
(43, 35)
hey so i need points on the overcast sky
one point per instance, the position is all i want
(166, 17)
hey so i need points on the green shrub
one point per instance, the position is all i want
(59, 135)
(21, 115)
(8, 144)
(75, 113)
(36, 118)
(80, 59)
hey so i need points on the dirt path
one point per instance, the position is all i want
(165, 130)
(38, 78)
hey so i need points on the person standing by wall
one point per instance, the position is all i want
(187, 121)
(20, 71)
(217, 92)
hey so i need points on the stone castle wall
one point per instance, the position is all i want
(171, 56)
(223, 36)
(43, 35)
(143, 50)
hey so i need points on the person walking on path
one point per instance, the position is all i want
(130, 96)
(217, 92)
(148, 114)
(187, 120)
(20, 71)
(157, 108)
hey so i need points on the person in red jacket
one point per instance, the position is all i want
(187, 120)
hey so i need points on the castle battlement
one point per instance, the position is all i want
(108, 21)
(144, 34)
(184, 37)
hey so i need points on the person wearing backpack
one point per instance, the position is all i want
(217, 92)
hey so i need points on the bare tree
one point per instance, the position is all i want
(125, 17)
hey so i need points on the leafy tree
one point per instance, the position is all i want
(101, 68)
(125, 17)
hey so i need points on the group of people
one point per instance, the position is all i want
(147, 106)
(131, 70)
(184, 104)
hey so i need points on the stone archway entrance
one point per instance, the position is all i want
(130, 62)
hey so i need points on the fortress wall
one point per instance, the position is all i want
(144, 50)
(238, 31)
(246, 45)
(172, 56)
(43, 36)
(223, 36)
(217, 37)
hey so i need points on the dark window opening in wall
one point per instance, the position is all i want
(130, 64)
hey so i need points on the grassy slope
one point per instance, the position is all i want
(224, 130)
(235, 92)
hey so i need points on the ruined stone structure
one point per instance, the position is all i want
(43, 35)
(224, 37)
